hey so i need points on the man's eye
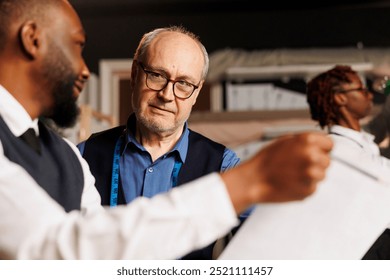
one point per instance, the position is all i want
(156, 76)
(184, 83)
(81, 45)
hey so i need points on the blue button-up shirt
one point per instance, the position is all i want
(140, 176)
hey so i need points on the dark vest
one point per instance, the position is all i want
(380, 250)
(57, 169)
(203, 157)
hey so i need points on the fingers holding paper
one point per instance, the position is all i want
(287, 169)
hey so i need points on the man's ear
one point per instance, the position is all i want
(134, 73)
(340, 99)
(29, 39)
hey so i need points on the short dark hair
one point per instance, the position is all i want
(21, 10)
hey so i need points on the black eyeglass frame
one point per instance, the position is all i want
(363, 89)
(148, 72)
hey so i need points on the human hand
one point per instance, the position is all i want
(288, 168)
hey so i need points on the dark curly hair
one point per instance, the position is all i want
(320, 92)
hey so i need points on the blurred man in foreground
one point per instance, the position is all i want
(49, 207)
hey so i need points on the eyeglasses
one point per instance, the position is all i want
(157, 81)
(365, 90)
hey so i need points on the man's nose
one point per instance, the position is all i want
(167, 93)
(85, 73)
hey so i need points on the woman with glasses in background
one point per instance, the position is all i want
(339, 100)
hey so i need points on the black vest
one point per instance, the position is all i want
(204, 156)
(57, 169)
(380, 250)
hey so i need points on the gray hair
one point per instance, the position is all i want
(147, 38)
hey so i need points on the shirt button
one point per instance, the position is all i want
(150, 169)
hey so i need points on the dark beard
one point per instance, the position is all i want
(66, 111)
(61, 78)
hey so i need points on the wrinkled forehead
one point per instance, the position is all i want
(173, 50)
(174, 44)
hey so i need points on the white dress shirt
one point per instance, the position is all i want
(358, 147)
(358, 139)
(34, 226)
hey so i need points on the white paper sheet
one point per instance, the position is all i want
(341, 220)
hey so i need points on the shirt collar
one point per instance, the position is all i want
(14, 115)
(180, 148)
(361, 137)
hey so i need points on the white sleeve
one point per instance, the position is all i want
(33, 226)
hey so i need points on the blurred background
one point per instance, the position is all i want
(261, 55)
(114, 27)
